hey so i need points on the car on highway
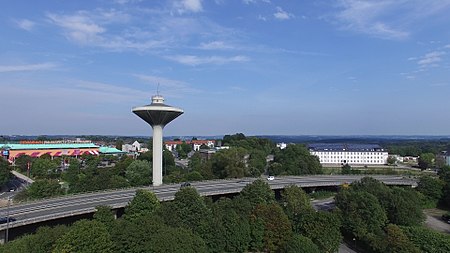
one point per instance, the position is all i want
(270, 178)
(4, 220)
(185, 184)
(446, 217)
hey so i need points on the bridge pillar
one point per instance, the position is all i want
(2, 236)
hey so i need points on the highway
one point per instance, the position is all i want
(49, 209)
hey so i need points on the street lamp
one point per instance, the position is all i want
(7, 221)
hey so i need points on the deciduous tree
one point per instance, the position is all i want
(85, 237)
(143, 203)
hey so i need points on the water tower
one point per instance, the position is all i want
(157, 114)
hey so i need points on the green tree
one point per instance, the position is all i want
(195, 162)
(147, 156)
(257, 193)
(139, 173)
(297, 160)
(300, 243)
(5, 173)
(193, 176)
(444, 175)
(295, 201)
(323, 228)
(40, 242)
(176, 240)
(44, 188)
(23, 162)
(431, 187)
(168, 159)
(391, 160)
(149, 234)
(346, 169)
(85, 236)
(119, 144)
(363, 216)
(121, 166)
(191, 209)
(426, 240)
(405, 207)
(231, 231)
(229, 163)
(105, 215)
(71, 175)
(426, 160)
(397, 241)
(43, 168)
(277, 227)
(143, 203)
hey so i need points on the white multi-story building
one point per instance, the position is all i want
(352, 154)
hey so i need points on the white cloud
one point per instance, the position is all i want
(255, 1)
(447, 46)
(28, 67)
(25, 24)
(89, 29)
(366, 17)
(79, 28)
(183, 6)
(261, 17)
(215, 45)
(431, 59)
(193, 60)
(282, 15)
(387, 19)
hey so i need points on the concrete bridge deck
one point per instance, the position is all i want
(72, 205)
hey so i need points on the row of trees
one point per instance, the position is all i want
(254, 221)
(383, 219)
(377, 218)
(247, 156)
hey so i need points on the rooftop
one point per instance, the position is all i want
(344, 147)
(14, 146)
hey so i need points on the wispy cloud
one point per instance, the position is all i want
(25, 24)
(431, 59)
(366, 17)
(193, 60)
(387, 19)
(255, 1)
(282, 14)
(90, 29)
(183, 6)
(216, 45)
(27, 67)
(168, 86)
(79, 28)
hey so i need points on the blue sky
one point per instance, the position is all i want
(293, 67)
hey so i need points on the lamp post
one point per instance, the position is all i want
(7, 221)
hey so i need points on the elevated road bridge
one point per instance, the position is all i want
(81, 204)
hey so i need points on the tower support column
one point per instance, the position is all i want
(157, 154)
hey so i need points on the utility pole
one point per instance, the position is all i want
(7, 221)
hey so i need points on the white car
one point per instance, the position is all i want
(270, 178)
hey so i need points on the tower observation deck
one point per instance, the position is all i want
(157, 114)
